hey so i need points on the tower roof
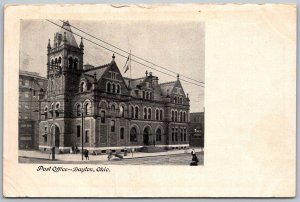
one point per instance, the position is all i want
(70, 39)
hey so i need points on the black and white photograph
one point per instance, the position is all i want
(111, 92)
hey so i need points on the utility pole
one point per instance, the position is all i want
(82, 133)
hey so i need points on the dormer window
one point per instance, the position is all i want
(118, 89)
(83, 86)
(108, 87)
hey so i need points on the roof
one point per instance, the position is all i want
(164, 87)
(133, 82)
(100, 70)
(66, 28)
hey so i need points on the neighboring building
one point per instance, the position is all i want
(196, 129)
(31, 87)
(118, 112)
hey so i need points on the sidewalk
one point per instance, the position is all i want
(77, 157)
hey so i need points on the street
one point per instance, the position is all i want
(173, 159)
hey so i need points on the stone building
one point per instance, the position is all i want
(196, 129)
(113, 112)
(31, 87)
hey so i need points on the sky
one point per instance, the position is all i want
(177, 46)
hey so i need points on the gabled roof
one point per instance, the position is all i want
(164, 87)
(100, 70)
(66, 28)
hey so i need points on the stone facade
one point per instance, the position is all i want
(31, 88)
(113, 112)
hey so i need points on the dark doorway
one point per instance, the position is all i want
(146, 135)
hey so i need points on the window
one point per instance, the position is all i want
(132, 112)
(172, 115)
(46, 112)
(184, 134)
(136, 112)
(113, 107)
(113, 88)
(45, 138)
(181, 134)
(76, 63)
(78, 130)
(86, 109)
(150, 95)
(113, 75)
(118, 89)
(82, 87)
(122, 113)
(156, 114)
(102, 115)
(173, 134)
(149, 113)
(176, 116)
(160, 114)
(143, 94)
(122, 131)
(46, 130)
(184, 115)
(70, 62)
(175, 99)
(108, 87)
(87, 136)
(147, 95)
(112, 126)
(145, 113)
(78, 110)
(158, 134)
(176, 134)
(180, 116)
(133, 135)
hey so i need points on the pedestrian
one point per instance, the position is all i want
(132, 151)
(193, 152)
(194, 160)
(72, 150)
(76, 149)
(110, 154)
(86, 154)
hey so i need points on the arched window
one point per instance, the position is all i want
(133, 135)
(76, 63)
(143, 94)
(156, 114)
(59, 61)
(160, 114)
(136, 114)
(175, 99)
(145, 113)
(147, 95)
(149, 113)
(181, 134)
(173, 115)
(150, 95)
(122, 113)
(86, 108)
(52, 63)
(78, 110)
(102, 115)
(57, 110)
(176, 116)
(46, 112)
(108, 87)
(132, 111)
(113, 107)
(56, 63)
(70, 62)
(113, 88)
(184, 115)
(82, 87)
(158, 135)
(118, 89)
(112, 125)
(180, 116)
